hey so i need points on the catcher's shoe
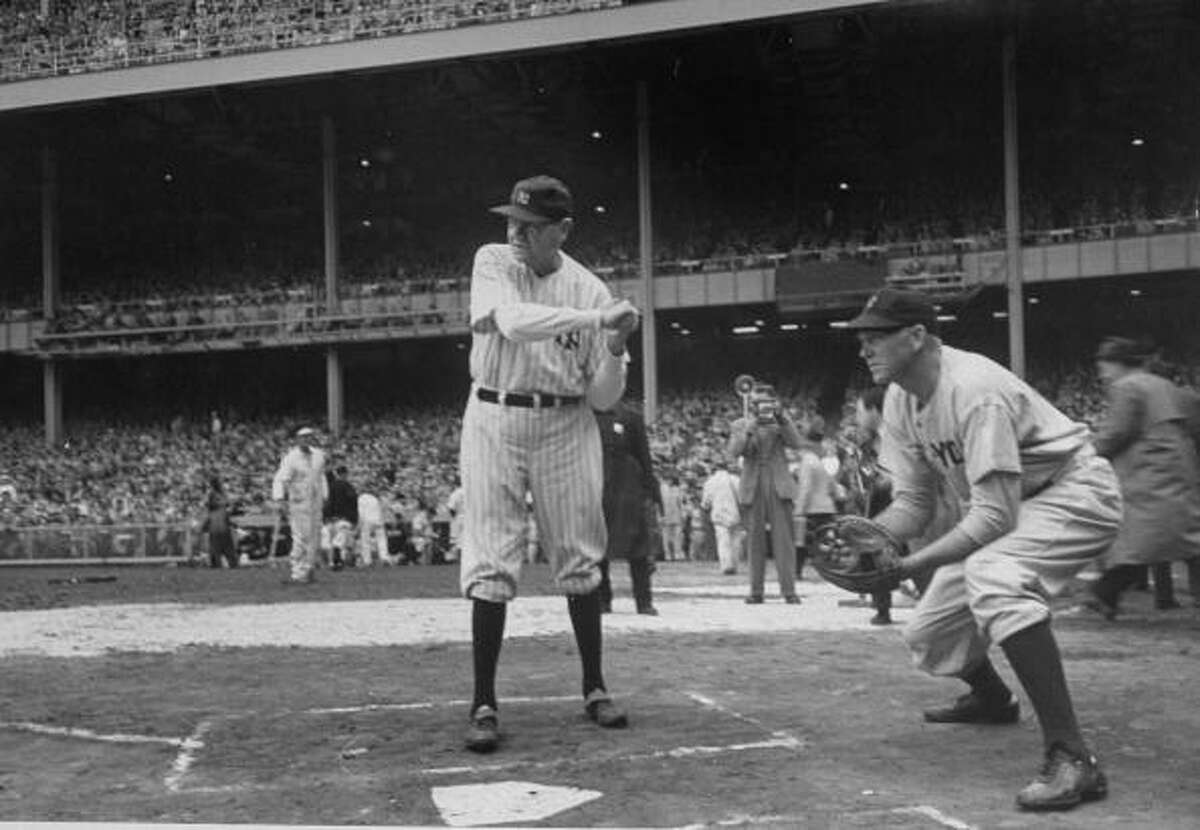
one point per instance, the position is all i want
(603, 711)
(754, 599)
(483, 731)
(792, 599)
(971, 708)
(1065, 781)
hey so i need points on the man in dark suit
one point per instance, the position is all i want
(766, 490)
(630, 492)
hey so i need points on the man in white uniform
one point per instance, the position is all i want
(671, 524)
(719, 497)
(372, 538)
(1038, 506)
(548, 346)
(300, 489)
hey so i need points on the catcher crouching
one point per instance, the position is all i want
(1038, 506)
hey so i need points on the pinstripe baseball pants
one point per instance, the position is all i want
(553, 453)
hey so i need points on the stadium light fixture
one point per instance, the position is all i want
(1135, 292)
(685, 332)
(601, 209)
(843, 185)
(1034, 301)
(999, 315)
(788, 326)
(759, 323)
(597, 135)
(168, 177)
(1138, 141)
(838, 324)
(366, 223)
(364, 162)
(745, 329)
(674, 324)
(947, 318)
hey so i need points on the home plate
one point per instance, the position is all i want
(505, 802)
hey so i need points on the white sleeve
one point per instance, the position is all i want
(280, 481)
(608, 383)
(496, 305)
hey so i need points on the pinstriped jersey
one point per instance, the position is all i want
(555, 352)
(981, 419)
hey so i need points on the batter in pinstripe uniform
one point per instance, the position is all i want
(548, 345)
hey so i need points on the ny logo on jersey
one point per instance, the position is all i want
(568, 340)
(948, 452)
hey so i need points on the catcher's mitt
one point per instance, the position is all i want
(858, 555)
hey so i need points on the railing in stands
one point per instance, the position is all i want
(313, 327)
(96, 544)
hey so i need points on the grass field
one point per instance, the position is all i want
(197, 696)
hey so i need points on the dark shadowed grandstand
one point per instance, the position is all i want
(267, 210)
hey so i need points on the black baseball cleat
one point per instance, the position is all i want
(1066, 780)
(754, 599)
(601, 709)
(648, 610)
(792, 599)
(970, 708)
(881, 619)
(483, 731)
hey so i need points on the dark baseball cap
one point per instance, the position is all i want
(538, 199)
(893, 308)
(1123, 350)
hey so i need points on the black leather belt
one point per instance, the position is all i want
(531, 400)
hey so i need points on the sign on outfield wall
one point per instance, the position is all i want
(94, 544)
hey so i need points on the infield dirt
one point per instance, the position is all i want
(198, 696)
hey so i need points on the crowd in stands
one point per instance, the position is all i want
(912, 249)
(109, 473)
(114, 474)
(40, 38)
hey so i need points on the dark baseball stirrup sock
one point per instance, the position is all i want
(585, 619)
(987, 684)
(487, 635)
(1033, 653)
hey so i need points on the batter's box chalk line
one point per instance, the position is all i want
(773, 740)
(806, 820)
(188, 747)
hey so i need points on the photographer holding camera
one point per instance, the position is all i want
(767, 489)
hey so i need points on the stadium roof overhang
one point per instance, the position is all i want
(564, 31)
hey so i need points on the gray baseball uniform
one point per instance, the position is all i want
(982, 419)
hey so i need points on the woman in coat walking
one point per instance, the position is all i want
(1145, 434)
